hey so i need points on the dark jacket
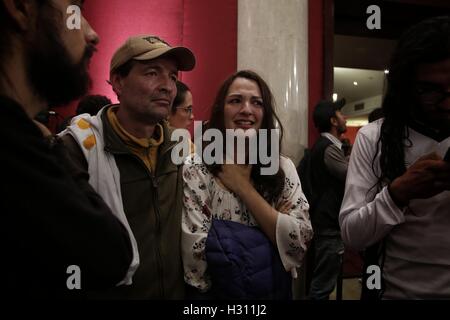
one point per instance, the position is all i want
(243, 264)
(52, 217)
(152, 204)
(328, 193)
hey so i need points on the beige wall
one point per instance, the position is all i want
(273, 41)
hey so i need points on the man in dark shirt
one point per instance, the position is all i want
(59, 237)
(328, 170)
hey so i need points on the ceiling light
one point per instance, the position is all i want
(386, 71)
(355, 83)
(335, 96)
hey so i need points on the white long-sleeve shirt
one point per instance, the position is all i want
(417, 263)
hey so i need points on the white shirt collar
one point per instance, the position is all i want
(332, 138)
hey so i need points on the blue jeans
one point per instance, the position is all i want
(329, 251)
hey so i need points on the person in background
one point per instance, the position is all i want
(327, 173)
(90, 104)
(181, 115)
(397, 195)
(55, 225)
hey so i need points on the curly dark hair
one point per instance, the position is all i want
(426, 42)
(92, 104)
(269, 187)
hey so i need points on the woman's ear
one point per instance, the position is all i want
(22, 12)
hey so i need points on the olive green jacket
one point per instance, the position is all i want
(152, 203)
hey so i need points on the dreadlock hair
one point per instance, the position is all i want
(426, 42)
(269, 187)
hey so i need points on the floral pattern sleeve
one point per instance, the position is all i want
(196, 221)
(293, 230)
(204, 199)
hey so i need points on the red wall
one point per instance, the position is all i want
(208, 28)
(315, 62)
(351, 133)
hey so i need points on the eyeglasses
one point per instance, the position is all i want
(430, 93)
(187, 109)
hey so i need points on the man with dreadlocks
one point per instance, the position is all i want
(397, 188)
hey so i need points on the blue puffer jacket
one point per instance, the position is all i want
(243, 263)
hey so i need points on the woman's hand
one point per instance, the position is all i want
(284, 207)
(236, 177)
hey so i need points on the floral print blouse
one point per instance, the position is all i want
(205, 199)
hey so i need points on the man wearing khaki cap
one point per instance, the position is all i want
(126, 149)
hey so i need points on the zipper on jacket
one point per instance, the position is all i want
(154, 183)
(159, 263)
(158, 234)
(158, 222)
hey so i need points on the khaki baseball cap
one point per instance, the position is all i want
(148, 47)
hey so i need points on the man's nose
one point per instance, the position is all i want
(167, 84)
(91, 36)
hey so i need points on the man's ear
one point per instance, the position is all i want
(21, 12)
(116, 82)
(334, 121)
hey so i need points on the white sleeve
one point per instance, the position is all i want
(195, 224)
(293, 230)
(366, 216)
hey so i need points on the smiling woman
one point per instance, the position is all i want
(239, 203)
(243, 105)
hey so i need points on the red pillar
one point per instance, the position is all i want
(315, 62)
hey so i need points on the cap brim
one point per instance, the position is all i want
(183, 56)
